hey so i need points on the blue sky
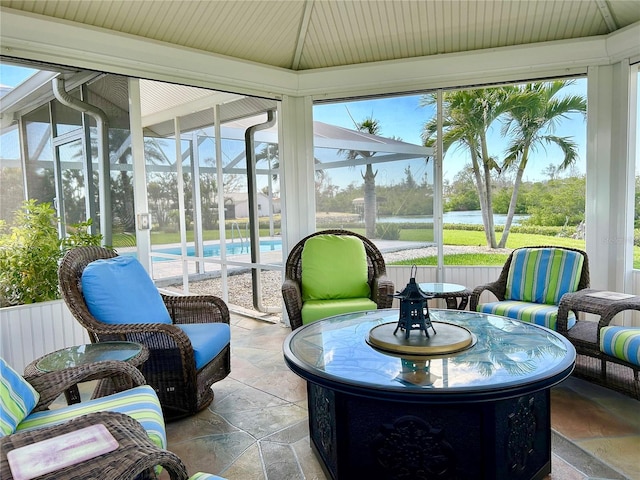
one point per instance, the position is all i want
(11, 76)
(403, 118)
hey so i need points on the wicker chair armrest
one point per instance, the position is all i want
(120, 329)
(382, 291)
(494, 287)
(612, 310)
(135, 457)
(196, 309)
(562, 321)
(292, 297)
(51, 385)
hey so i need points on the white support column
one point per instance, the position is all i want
(610, 176)
(141, 206)
(438, 201)
(181, 204)
(297, 169)
(297, 174)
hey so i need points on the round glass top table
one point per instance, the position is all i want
(131, 352)
(479, 413)
(456, 296)
(92, 352)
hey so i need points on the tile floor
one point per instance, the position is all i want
(256, 427)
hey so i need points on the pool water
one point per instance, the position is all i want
(234, 248)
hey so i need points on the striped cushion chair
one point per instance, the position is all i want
(532, 282)
(25, 401)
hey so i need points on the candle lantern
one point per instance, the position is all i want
(414, 310)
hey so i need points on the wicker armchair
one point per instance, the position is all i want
(51, 385)
(131, 414)
(170, 369)
(498, 288)
(381, 286)
(135, 457)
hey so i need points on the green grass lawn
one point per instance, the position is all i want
(477, 239)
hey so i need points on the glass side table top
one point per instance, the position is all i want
(508, 354)
(441, 288)
(89, 353)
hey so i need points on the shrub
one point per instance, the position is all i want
(388, 231)
(30, 252)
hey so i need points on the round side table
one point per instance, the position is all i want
(456, 296)
(134, 353)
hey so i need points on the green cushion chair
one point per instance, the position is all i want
(332, 272)
(532, 282)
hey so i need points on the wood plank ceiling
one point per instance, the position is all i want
(311, 34)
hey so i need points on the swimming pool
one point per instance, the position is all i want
(233, 248)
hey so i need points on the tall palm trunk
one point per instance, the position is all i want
(487, 211)
(512, 203)
(482, 196)
(370, 207)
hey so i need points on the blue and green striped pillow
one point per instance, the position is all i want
(621, 342)
(204, 476)
(17, 397)
(543, 275)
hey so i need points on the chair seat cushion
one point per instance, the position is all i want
(543, 275)
(621, 342)
(140, 403)
(204, 476)
(313, 310)
(334, 267)
(538, 313)
(207, 340)
(119, 290)
(17, 398)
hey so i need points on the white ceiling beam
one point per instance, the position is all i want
(302, 33)
(607, 16)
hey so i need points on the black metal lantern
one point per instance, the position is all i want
(414, 310)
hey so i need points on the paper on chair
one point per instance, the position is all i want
(59, 452)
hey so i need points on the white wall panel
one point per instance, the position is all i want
(29, 331)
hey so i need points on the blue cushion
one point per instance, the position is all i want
(17, 399)
(538, 313)
(207, 340)
(119, 290)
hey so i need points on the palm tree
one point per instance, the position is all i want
(532, 112)
(372, 127)
(467, 116)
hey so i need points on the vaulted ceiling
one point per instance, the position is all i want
(311, 34)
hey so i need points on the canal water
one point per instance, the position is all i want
(470, 217)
